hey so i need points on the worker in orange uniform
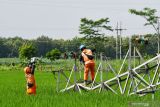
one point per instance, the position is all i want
(29, 74)
(89, 65)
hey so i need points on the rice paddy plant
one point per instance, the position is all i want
(13, 91)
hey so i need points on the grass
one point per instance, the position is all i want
(12, 92)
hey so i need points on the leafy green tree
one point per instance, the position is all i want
(4, 48)
(44, 44)
(14, 44)
(94, 31)
(148, 14)
(91, 28)
(27, 51)
(53, 54)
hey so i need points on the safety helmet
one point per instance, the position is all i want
(82, 46)
(33, 60)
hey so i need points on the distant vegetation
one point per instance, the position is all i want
(10, 46)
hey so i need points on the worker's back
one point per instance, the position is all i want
(87, 56)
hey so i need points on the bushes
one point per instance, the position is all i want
(27, 51)
(53, 54)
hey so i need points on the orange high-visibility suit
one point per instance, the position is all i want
(31, 84)
(89, 64)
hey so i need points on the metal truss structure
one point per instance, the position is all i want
(141, 79)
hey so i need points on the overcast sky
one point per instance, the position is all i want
(61, 18)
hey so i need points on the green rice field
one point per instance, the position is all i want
(13, 92)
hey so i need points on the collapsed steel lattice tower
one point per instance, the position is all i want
(141, 79)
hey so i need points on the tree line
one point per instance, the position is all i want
(9, 47)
